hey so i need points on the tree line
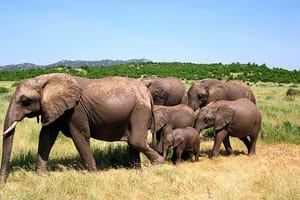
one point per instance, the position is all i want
(250, 72)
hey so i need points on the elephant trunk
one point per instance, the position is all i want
(198, 126)
(193, 104)
(8, 135)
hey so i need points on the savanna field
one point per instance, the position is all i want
(274, 173)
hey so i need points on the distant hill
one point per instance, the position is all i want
(72, 63)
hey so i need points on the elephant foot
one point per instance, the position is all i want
(215, 158)
(159, 160)
(230, 152)
(3, 179)
(251, 154)
(135, 165)
(42, 172)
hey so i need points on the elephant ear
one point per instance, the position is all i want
(223, 117)
(178, 139)
(161, 117)
(157, 90)
(216, 93)
(147, 82)
(184, 99)
(60, 93)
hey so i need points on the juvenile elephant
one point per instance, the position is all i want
(167, 91)
(183, 140)
(205, 91)
(239, 118)
(167, 118)
(110, 109)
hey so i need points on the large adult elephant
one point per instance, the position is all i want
(167, 91)
(110, 109)
(204, 91)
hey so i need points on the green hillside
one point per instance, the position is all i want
(247, 72)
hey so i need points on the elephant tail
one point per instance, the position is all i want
(253, 99)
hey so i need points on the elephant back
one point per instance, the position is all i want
(238, 89)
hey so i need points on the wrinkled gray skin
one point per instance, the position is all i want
(110, 109)
(167, 91)
(167, 118)
(183, 139)
(205, 91)
(239, 118)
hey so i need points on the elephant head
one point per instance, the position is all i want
(214, 114)
(174, 139)
(205, 91)
(48, 96)
(197, 95)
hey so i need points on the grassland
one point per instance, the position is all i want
(274, 173)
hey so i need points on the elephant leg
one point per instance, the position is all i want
(227, 145)
(197, 152)
(179, 152)
(82, 145)
(138, 134)
(47, 138)
(154, 141)
(134, 158)
(218, 141)
(247, 143)
(173, 159)
(253, 144)
(166, 131)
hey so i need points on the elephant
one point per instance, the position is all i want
(167, 91)
(109, 109)
(209, 90)
(167, 118)
(184, 140)
(240, 118)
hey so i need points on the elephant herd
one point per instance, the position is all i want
(124, 109)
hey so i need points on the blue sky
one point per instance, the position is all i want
(43, 32)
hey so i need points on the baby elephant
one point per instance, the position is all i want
(239, 118)
(183, 140)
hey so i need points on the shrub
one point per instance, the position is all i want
(3, 90)
(14, 84)
(209, 132)
(292, 92)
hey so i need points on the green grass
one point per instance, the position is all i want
(3, 90)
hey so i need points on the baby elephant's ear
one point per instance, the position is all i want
(161, 117)
(178, 139)
(223, 116)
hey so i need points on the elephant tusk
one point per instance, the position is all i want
(10, 128)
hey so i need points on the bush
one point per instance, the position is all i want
(209, 132)
(292, 92)
(3, 90)
(14, 84)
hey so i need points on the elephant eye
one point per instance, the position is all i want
(201, 96)
(25, 101)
